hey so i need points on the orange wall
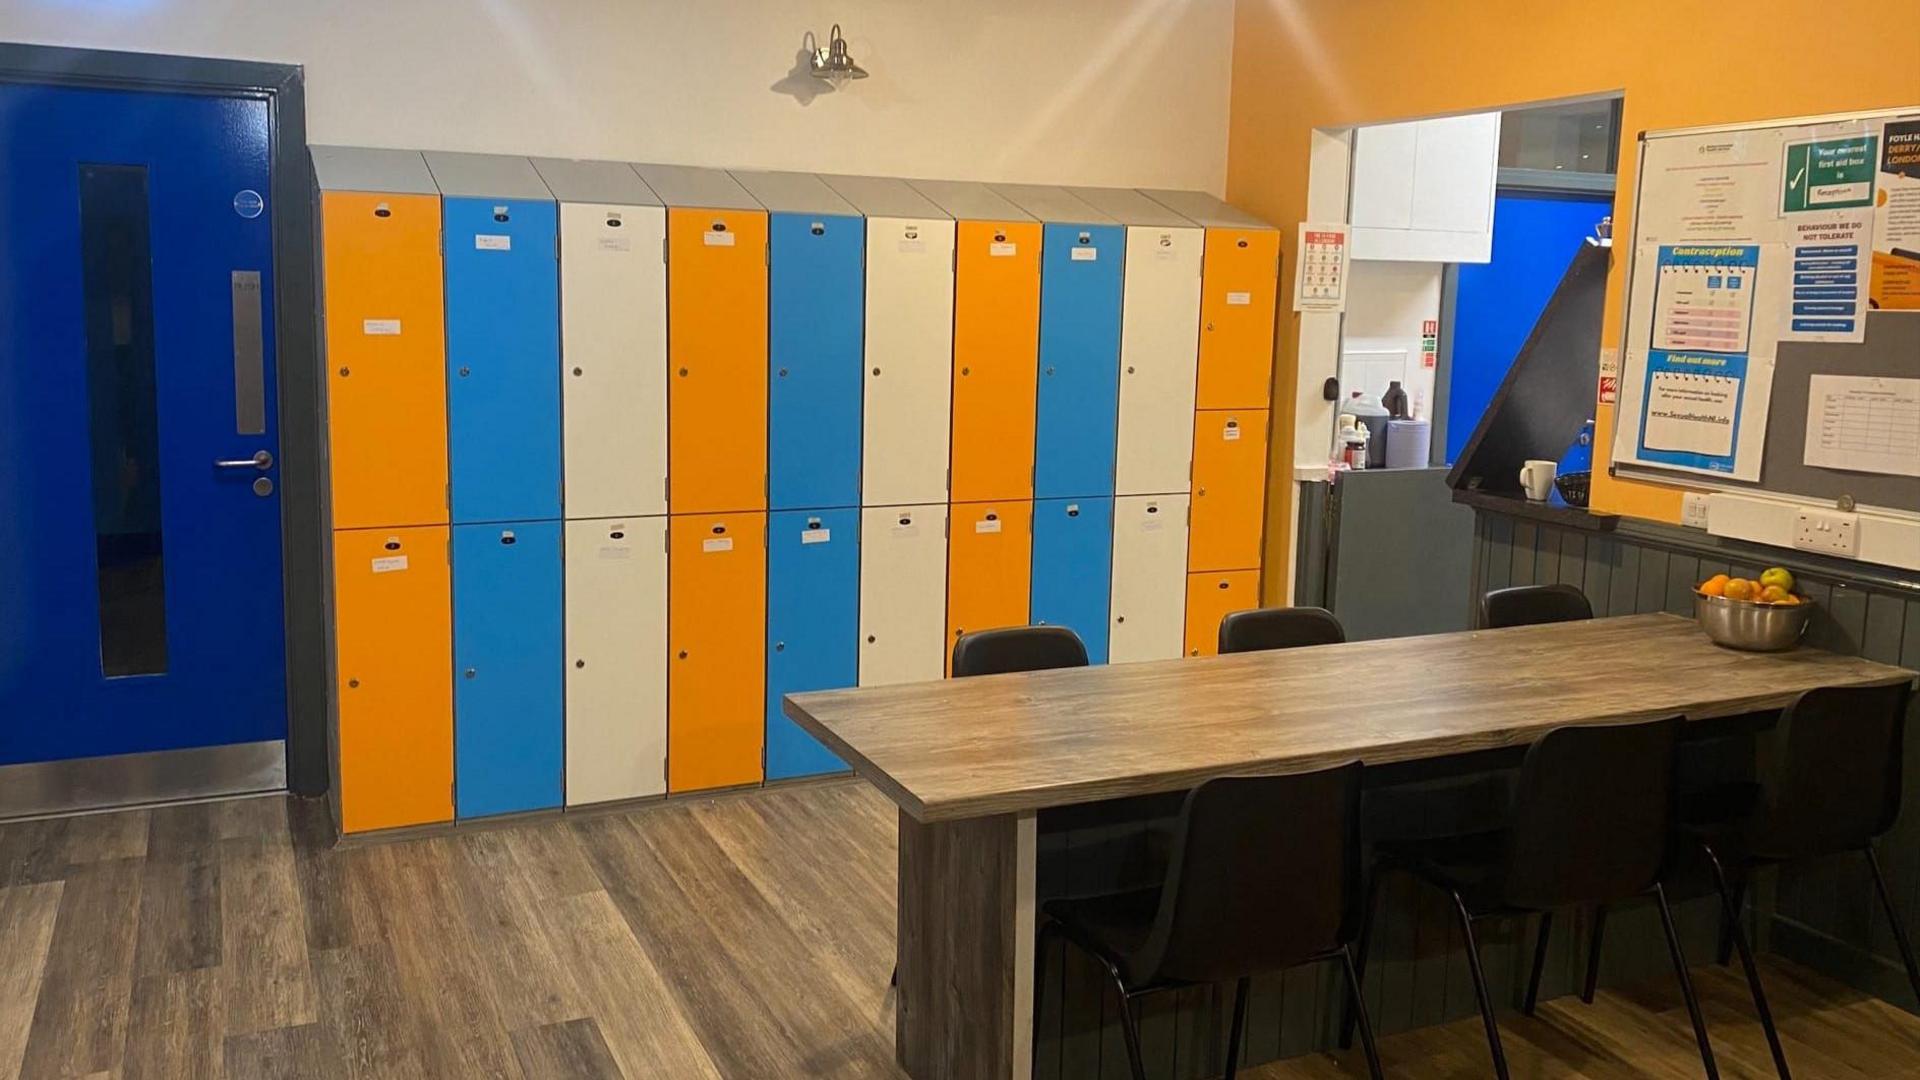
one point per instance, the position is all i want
(1302, 64)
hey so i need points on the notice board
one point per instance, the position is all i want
(1772, 337)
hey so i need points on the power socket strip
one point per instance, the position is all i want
(1828, 532)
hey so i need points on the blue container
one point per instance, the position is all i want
(503, 359)
(1076, 428)
(817, 316)
(1072, 559)
(507, 678)
(813, 626)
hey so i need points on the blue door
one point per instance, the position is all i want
(1077, 422)
(140, 576)
(813, 626)
(503, 359)
(1072, 560)
(816, 308)
(507, 659)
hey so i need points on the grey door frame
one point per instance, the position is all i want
(302, 448)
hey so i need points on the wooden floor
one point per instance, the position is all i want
(745, 936)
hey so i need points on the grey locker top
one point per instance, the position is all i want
(1204, 209)
(794, 193)
(1129, 207)
(486, 176)
(1053, 204)
(610, 182)
(884, 196)
(361, 168)
(970, 201)
(694, 188)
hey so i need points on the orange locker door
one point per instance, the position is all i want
(996, 343)
(1238, 281)
(717, 350)
(1209, 598)
(386, 358)
(717, 633)
(1229, 489)
(393, 627)
(989, 560)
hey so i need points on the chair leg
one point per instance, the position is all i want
(1239, 1027)
(1539, 962)
(1480, 988)
(1360, 960)
(1359, 1013)
(1130, 1027)
(1593, 953)
(1893, 917)
(1686, 983)
(1732, 926)
(1747, 964)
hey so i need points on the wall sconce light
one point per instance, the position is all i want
(832, 63)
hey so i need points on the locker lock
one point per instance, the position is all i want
(999, 238)
(1129, 369)
(353, 684)
(817, 229)
(1223, 585)
(613, 221)
(966, 371)
(392, 545)
(576, 371)
(779, 646)
(993, 517)
(1120, 618)
(683, 373)
(469, 673)
(616, 535)
(1073, 511)
(382, 210)
(719, 529)
(1240, 242)
(579, 663)
(1086, 238)
(683, 654)
(871, 639)
(499, 213)
(1153, 509)
(464, 371)
(783, 373)
(1049, 369)
(905, 519)
(508, 538)
(813, 523)
(876, 371)
(719, 226)
(344, 372)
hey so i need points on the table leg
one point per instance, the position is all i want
(966, 924)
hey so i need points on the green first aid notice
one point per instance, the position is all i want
(1830, 174)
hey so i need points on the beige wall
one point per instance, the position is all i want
(1122, 92)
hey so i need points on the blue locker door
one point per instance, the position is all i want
(507, 716)
(816, 308)
(813, 626)
(1078, 416)
(1072, 556)
(503, 359)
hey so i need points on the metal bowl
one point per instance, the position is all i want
(1755, 627)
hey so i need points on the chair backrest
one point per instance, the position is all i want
(1279, 628)
(1591, 814)
(1832, 778)
(1264, 873)
(1531, 605)
(1017, 648)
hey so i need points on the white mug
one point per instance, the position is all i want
(1536, 476)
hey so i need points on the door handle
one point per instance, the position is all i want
(260, 460)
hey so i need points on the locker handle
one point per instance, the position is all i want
(353, 684)
(876, 371)
(613, 223)
(464, 370)
(871, 639)
(382, 210)
(683, 373)
(579, 663)
(683, 654)
(469, 673)
(779, 646)
(392, 545)
(616, 535)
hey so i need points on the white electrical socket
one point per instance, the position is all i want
(1828, 532)
(1693, 510)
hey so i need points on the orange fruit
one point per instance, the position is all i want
(1715, 585)
(1738, 589)
(1774, 594)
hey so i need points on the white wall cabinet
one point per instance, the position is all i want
(616, 659)
(903, 594)
(1423, 189)
(1149, 577)
(613, 359)
(1159, 347)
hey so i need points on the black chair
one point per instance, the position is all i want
(1829, 785)
(1262, 877)
(1279, 628)
(1532, 605)
(1589, 824)
(1017, 648)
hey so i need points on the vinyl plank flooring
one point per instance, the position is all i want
(80, 1023)
(300, 1052)
(569, 1050)
(175, 1026)
(263, 937)
(528, 982)
(375, 1028)
(28, 914)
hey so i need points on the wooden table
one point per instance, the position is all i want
(971, 761)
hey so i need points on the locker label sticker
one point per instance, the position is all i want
(380, 327)
(1084, 254)
(1239, 299)
(717, 239)
(1152, 524)
(387, 564)
(492, 242)
(611, 551)
(717, 543)
(1230, 433)
(912, 246)
(905, 529)
(615, 243)
(991, 525)
(1003, 250)
(815, 536)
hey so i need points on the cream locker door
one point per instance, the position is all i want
(616, 659)
(1159, 347)
(903, 594)
(1149, 602)
(613, 359)
(909, 381)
